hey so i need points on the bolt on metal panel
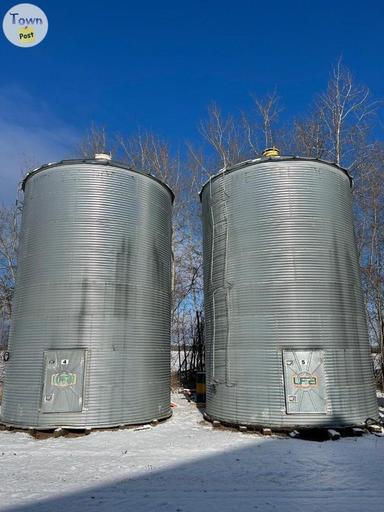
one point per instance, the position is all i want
(63, 381)
(304, 379)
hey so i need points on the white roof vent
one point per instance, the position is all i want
(103, 156)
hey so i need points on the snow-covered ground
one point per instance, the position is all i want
(184, 465)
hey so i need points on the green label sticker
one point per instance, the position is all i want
(304, 381)
(64, 379)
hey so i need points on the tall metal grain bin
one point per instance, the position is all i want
(286, 333)
(90, 340)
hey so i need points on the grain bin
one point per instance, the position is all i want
(286, 334)
(90, 339)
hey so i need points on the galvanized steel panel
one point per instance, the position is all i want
(281, 272)
(94, 274)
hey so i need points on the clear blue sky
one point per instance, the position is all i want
(158, 65)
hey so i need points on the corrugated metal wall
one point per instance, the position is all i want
(281, 279)
(93, 286)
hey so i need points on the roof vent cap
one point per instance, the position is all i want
(271, 152)
(103, 156)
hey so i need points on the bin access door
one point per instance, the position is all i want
(63, 380)
(304, 378)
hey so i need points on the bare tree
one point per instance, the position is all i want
(95, 141)
(145, 152)
(369, 212)
(268, 111)
(223, 135)
(235, 138)
(251, 132)
(345, 109)
(9, 239)
(308, 136)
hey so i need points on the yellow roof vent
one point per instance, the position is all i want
(270, 152)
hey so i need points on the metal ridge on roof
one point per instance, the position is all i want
(255, 161)
(110, 163)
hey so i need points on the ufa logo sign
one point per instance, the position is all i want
(25, 25)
